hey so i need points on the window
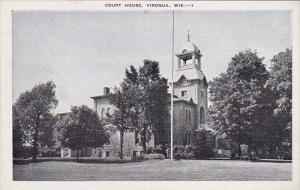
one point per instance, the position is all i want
(102, 112)
(202, 93)
(186, 116)
(202, 115)
(108, 111)
(107, 154)
(190, 116)
(186, 138)
(188, 135)
(184, 93)
(136, 136)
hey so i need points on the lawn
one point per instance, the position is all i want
(153, 170)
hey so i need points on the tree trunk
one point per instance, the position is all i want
(144, 140)
(35, 142)
(77, 155)
(239, 150)
(251, 151)
(121, 144)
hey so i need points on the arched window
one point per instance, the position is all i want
(108, 111)
(102, 112)
(202, 115)
(188, 135)
(136, 136)
(186, 116)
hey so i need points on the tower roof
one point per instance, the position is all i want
(189, 47)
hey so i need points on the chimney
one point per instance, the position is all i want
(105, 91)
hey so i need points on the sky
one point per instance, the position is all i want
(82, 52)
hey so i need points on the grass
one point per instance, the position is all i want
(152, 170)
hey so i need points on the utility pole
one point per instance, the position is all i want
(172, 86)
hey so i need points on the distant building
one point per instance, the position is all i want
(132, 141)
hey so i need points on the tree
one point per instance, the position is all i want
(122, 116)
(85, 129)
(279, 85)
(32, 113)
(18, 134)
(141, 102)
(154, 101)
(150, 102)
(60, 126)
(46, 138)
(238, 99)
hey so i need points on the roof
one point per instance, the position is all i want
(177, 100)
(189, 47)
(190, 74)
(63, 113)
(101, 96)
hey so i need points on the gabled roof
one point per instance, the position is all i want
(177, 100)
(190, 74)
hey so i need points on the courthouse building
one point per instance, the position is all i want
(190, 108)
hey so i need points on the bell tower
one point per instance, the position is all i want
(189, 56)
(189, 80)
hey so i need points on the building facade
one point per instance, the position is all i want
(190, 92)
(190, 109)
(132, 140)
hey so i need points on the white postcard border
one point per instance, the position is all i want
(7, 7)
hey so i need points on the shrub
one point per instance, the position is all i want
(203, 152)
(51, 153)
(158, 149)
(184, 152)
(189, 149)
(192, 152)
(189, 156)
(23, 152)
(151, 156)
(255, 158)
(179, 149)
(177, 156)
(150, 150)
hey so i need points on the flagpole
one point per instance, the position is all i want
(172, 86)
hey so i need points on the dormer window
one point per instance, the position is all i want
(184, 93)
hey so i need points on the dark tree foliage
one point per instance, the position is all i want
(32, 116)
(18, 133)
(203, 145)
(142, 101)
(60, 126)
(153, 101)
(238, 99)
(279, 86)
(254, 107)
(122, 116)
(85, 129)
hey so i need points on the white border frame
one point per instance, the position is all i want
(7, 7)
